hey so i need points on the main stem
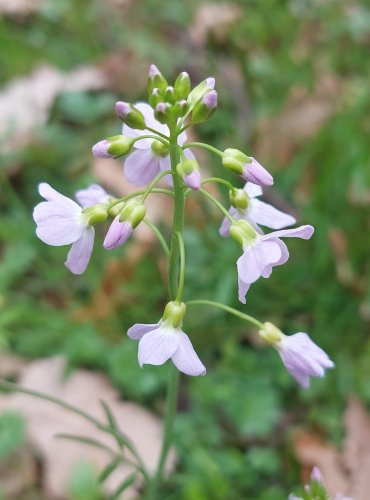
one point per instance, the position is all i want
(173, 283)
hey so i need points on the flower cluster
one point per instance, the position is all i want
(153, 145)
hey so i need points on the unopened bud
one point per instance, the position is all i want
(156, 97)
(159, 149)
(116, 209)
(238, 199)
(180, 108)
(130, 115)
(113, 147)
(174, 313)
(201, 90)
(204, 108)
(162, 112)
(248, 168)
(183, 85)
(133, 212)
(156, 79)
(189, 172)
(170, 95)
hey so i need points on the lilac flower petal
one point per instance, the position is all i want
(267, 215)
(58, 222)
(284, 252)
(256, 173)
(151, 122)
(316, 475)
(165, 164)
(304, 232)
(50, 194)
(225, 225)
(157, 346)
(100, 149)
(242, 290)
(252, 190)
(80, 253)
(186, 359)
(189, 154)
(141, 167)
(182, 138)
(118, 233)
(137, 331)
(193, 180)
(91, 196)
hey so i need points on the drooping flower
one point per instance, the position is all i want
(128, 217)
(257, 212)
(300, 355)
(262, 252)
(149, 156)
(166, 339)
(61, 221)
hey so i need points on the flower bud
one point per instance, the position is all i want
(156, 97)
(238, 199)
(156, 79)
(159, 149)
(243, 232)
(130, 115)
(201, 90)
(170, 94)
(180, 108)
(183, 85)
(133, 212)
(247, 167)
(116, 209)
(113, 147)
(162, 112)
(95, 214)
(174, 313)
(204, 108)
(189, 172)
(128, 216)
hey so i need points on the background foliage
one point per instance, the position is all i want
(294, 92)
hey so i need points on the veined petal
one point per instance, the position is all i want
(58, 223)
(267, 215)
(91, 196)
(141, 167)
(50, 194)
(80, 253)
(186, 359)
(157, 346)
(304, 232)
(137, 331)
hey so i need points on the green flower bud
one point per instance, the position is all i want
(205, 107)
(200, 91)
(130, 115)
(163, 112)
(174, 313)
(234, 160)
(170, 95)
(183, 85)
(159, 149)
(242, 232)
(239, 199)
(271, 334)
(133, 212)
(156, 79)
(156, 97)
(120, 145)
(180, 108)
(116, 209)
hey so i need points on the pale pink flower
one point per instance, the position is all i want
(60, 221)
(160, 342)
(263, 253)
(257, 212)
(143, 164)
(118, 233)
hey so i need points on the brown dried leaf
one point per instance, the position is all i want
(20, 7)
(25, 102)
(82, 389)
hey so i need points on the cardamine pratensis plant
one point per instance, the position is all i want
(154, 147)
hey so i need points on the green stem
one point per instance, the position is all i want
(159, 235)
(138, 193)
(156, 179)
(173, 286)
(157, 133)
(203, 145)
(155, 137)
(130, 446)
(217, 203)
(228, 309)
(219, 181)
(182, 267)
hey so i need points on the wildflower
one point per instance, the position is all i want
(301, 357)
(149, 156)
(112, 147)
(164, 340)
(261, 252)
(247, 167)
(61, 221)
(249, 208)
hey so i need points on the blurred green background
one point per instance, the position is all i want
(293, 82)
